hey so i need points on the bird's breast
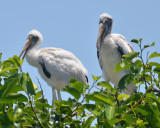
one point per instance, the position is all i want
(32, 58)
(110, 58)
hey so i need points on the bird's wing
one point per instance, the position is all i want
(61, 64)
(99, 58)
(98, 54)
(122, 45)
(43, 66)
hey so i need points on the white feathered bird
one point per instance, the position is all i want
(56, 66)
(110, 49)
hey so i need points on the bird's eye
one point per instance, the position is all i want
(35, 38)
(30, 37)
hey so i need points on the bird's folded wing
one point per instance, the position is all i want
(62, 64)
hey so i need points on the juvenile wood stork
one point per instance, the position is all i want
(110, 49)
(55, 65)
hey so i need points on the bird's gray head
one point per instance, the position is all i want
(34, 39)
(106, 20)
(105, 27)
(35, 36)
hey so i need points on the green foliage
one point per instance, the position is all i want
(23, 105)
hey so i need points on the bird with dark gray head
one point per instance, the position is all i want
(110, 49)
(55, 65)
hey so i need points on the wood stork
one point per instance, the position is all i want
(110, 49)
(55, 65)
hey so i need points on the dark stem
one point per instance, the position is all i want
(42, 92)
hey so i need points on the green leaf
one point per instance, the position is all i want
(142, 111)
(104, 98)
(24, 81)
(37, 95)
(16, 113)
(155, 54)
(120, 66)
(91, 108)
(14, 98)
(154, 107)
(8, 63)
(30, 86)
(151, 95)
(96, 78)
(153, 43)
(121, 96)
(88, 122)
(9, 85)
(72, 91)
(106, 123)
(109, 111)
(43, 116)
(21, 61)
(138, 63)
(154, 64)
(148, 68)
(2, 89)
(104, 84)
(146, 46)
(131, 56)
(77, 85)
(92, 97)
(134, 70)
(16, 88)
(42, 105)
(7, 69)
(125, 81)
(76, 122)
(140, 40)
(157, 70)
(130, 119)
(65, 109)
(139, 121)
(114, 121)
(135, 41)
(35, 86)
(16, 60)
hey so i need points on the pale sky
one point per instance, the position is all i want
(73, 26)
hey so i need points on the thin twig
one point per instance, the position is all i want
(154, 90)
(42, 92)
(41, 88)
(117, 99)
(143, 65)
(20, 68)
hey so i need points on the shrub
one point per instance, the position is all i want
(22, 105)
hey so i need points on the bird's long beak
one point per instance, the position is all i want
(27, 45)
(100, 34)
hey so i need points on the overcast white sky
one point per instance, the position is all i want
(73, 26)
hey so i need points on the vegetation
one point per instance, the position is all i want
(23, 105)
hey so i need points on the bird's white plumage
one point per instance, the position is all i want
(110, 56)
(36, 33)
(62, 65)
(104, 15)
